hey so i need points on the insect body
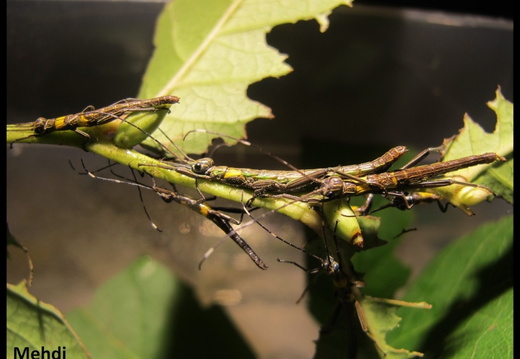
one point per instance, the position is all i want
(415, 177)
(279, 181)
(95, 117)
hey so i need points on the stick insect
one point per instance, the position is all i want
(261, 181)
(336, 182)
(327, 184)
(138, 117)
(425, 176)
(265, 182)
(95, 117)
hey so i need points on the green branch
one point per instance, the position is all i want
(102, 145)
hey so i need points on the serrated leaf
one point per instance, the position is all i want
(209, 58)
(38, 326)
(473, 140)
(358, 330)
(380, 318)
(469, 285)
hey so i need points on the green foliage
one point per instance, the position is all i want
(472, 139)
(33, 324)
(209, 58)
(385, 274)
(469, 286)
(143, 313)
(128, 314)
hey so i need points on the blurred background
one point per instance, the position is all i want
(380, 76)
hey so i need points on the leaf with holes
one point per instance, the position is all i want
(209, 58)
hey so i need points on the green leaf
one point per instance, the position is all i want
(38, 326)
(470, 287)
(128, 314)
(143, 312)
(385, 274)
(472, 140)
(358, 330)
(489, 332)
(380, 318)
(209, 58)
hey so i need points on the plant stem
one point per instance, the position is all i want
(23, 133)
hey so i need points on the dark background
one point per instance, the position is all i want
(503, 9)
